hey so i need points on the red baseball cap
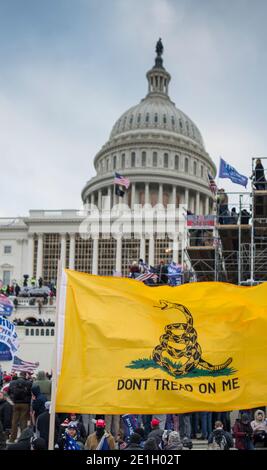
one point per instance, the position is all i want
(100, 423)
(155, 422)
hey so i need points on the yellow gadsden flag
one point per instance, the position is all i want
(124, 347)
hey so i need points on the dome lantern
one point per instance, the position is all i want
(158, 78)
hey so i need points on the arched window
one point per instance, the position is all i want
(173, 121)
(155, 159)
(133, 159)
(176, 162)
(143, 158)
(147, 117)
(187, 127)
(181, 124)
(166, 160)
(131, 120)
(123, 160)
(195, 168)
(164, 119)
(139, 118)
(186, 165)
(114, 162)
(156, 118)
(124, 122)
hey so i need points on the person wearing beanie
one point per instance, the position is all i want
(243, 432)
(156, 432)
(134, 443)
(70, 441)
(100, 439)
(259, 427)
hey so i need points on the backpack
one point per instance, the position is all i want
(219, 442)
(21, 391)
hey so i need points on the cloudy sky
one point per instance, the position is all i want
(70, 68)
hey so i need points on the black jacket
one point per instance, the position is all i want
(20, 391)
(5, 414)
(24, 441)
(217, 435)
(42, 426)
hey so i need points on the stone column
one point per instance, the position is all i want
(109, 195)
(174, 195)
(197, 205)
(118, 254)
(72, 251)
(133, 196)
(95, 256)
(186, 198)
(151, 255)
(39, 269)
(63, 250)
(92, 198)
(160, 200)
(30, 255)
(99, 203)
(207, 205)
(143, 248)
(147, 193)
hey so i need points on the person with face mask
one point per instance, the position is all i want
(100, 439)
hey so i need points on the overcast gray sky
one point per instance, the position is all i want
(70, 68)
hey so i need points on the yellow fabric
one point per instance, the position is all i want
(111, 322)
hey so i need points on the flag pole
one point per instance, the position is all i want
(54, 368)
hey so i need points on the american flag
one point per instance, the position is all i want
(121, 180)
(23, 366)
(212, 184)
(145, 276)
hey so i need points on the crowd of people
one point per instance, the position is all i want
(25, 420)
(30, 288)
(33, 322)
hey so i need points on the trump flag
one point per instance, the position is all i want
(124, 347)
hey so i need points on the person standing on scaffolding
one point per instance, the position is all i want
(222, 207)
(258, 176)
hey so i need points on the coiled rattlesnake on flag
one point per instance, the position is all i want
(188, 355)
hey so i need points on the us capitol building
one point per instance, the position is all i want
(160, 150)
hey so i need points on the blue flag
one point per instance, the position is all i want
(228, 171)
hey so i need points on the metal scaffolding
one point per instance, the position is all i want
(235, 249)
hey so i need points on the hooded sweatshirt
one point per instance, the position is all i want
(259, 425)
(38, 405)
(44, 384)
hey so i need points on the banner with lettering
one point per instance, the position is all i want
(129, 348)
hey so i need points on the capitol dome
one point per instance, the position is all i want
(156, 113)
(159, 149)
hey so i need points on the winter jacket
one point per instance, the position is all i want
(259, 425)
(24, 441)
(6, 414)
(242, 433)
(20, 391)
(38, 405)
(42, 426)
(92, 442)
(156, 434)
(44, 384)
(217, 436)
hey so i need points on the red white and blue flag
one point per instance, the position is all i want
(121, 180)
(23, 366)
(146, 276)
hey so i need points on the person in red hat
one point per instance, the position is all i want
(156, 432)
(100, 439)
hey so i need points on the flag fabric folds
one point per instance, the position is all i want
(23, 366)
(124, 347)
(121, 180)
(228, 171)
